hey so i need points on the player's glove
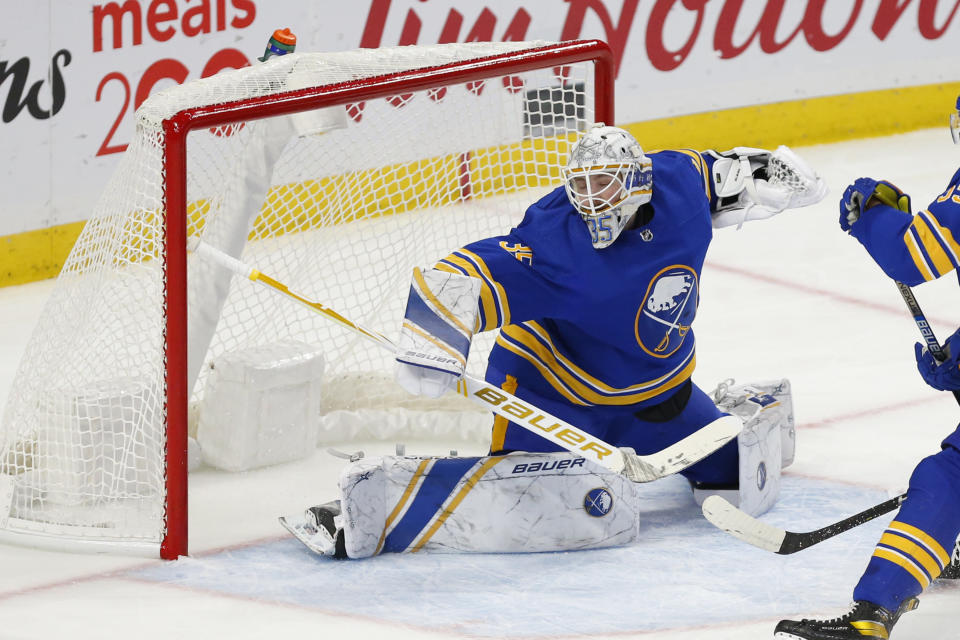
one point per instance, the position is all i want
(867, 192)
(943, 376)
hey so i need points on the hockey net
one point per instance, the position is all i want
(333, 173)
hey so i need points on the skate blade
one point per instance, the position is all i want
(317, 540)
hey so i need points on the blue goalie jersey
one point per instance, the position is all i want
(589, 327)
(914, 248)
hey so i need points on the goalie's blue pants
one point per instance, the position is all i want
(918, 543)
(622, 427)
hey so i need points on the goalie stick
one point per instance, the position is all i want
(638, 468)
(732, 520)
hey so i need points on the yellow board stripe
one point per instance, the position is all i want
(450, 507)
(915, 551)
(929, 541)
(900, 561)
(402, 503)
(425, 290)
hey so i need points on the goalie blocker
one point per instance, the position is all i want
(526, 502)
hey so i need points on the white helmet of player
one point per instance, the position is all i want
(607, 178)
(955, 123)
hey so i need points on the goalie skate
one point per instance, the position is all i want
(316, 528)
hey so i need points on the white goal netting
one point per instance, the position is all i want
(338, 203)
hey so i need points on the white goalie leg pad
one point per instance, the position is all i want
(516, 503)
(438, 327)
(768, 440)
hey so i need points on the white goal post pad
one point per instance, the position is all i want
(522, 502)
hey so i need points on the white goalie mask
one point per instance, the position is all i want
(607, 178)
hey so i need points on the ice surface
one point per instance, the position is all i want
(789, 297)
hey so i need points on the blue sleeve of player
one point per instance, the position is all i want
(918, 248)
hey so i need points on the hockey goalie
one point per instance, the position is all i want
(594, 295)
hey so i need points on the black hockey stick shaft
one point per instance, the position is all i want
(793, 542)
(925, 329)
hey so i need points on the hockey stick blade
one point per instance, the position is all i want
(735, 522)
(679, 456)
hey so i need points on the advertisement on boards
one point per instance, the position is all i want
(73, 73)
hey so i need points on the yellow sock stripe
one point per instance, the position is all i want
(941, 262)
(870, 629)
(926, 539)
(918, 260)
(499, 422)
(486, 294)
(426, 336)
(402, 503)
(534, 351)
(900, 561)
(428, 294)
(451, 506)
(920, 555)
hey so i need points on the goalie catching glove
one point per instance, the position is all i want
(438, 327)
(867, 192)
(753, 184)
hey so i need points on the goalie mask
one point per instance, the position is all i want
(955, 123)
(607, 178)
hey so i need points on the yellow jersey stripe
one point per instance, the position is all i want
(918, 260)
(424, 289)
(499, 422)
(941, 262)
(945, 236)
(923, 537)
(915, 551)
(899, 560)
(486, 293)
(398, 509)
(544, 359)
(701, 166)
(447, 510)
(585, 377)
(548, 375)
(497, 288)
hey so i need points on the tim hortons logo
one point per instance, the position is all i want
(18, 75)
(772, 32)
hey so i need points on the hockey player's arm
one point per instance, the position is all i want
(908, 248)
(465, 293)
(754, 184)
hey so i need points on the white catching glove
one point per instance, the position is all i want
(438, 328)
(790, 183)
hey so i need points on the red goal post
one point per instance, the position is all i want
(100, 458)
